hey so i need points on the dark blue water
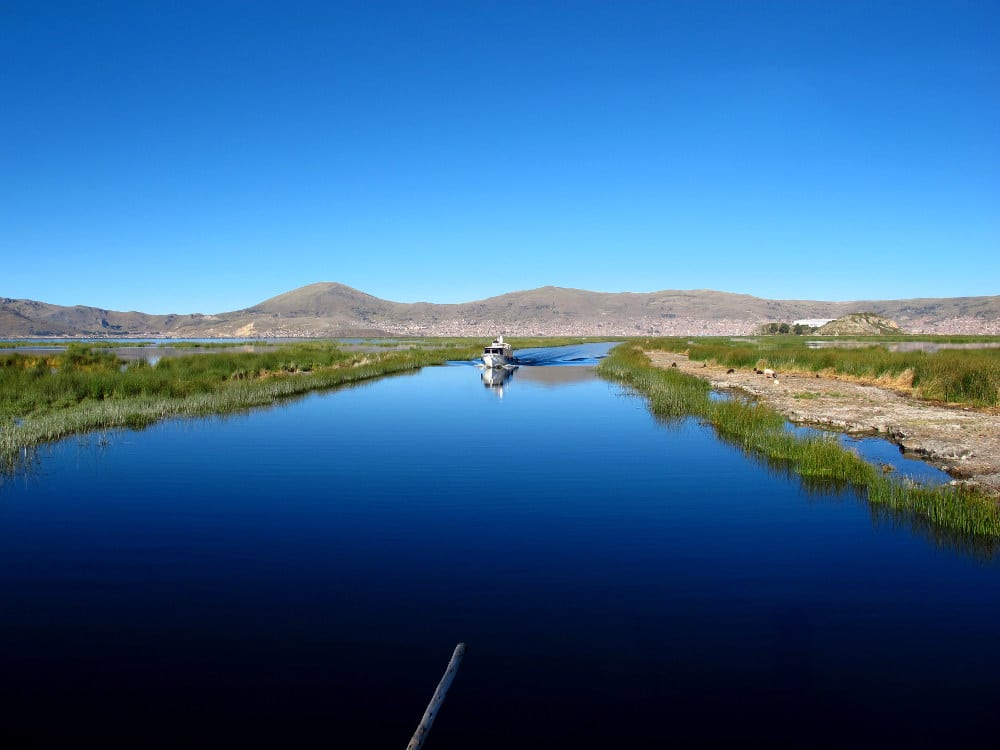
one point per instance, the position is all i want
(579, 354)
(298, 577)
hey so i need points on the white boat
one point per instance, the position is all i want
(499, 354)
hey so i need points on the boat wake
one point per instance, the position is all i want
(562, 356)
(544, 366)
(580, 355)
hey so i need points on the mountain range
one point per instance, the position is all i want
(334, 310)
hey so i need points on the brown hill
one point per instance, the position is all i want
(859, 324)
(330, 309)
(29, 318)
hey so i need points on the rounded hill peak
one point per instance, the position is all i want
(860, 324)
(315, 299)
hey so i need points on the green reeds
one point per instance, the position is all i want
(960, 376)
(47, 398)
(761, 433)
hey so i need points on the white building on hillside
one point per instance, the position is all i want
(812, 322)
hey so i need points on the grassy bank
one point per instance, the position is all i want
(821, 461)
(959, 376)
(46, 397)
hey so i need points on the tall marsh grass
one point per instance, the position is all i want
(959, 376)
(820, 461)
(43, 398)
(50, 395)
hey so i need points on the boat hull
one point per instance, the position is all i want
(496, 360)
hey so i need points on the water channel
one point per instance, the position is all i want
(299, 575)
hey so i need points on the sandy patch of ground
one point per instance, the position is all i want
(963, 442)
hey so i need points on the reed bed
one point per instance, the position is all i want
(968, 377)
(48, 396)
(44, 398)
(761, 433)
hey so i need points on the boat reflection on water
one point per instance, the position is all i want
(495, 378)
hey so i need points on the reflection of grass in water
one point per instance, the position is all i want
(819, 460)
(981, 547)
(962, 376)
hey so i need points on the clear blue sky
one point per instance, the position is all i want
(203, 156)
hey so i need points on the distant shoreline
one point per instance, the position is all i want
(331, 310)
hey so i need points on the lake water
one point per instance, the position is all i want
(298, 576)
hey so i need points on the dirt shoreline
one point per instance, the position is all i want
(961, 441)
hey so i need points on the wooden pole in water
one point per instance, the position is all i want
(435, 705)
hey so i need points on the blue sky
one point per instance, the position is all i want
(203, 156)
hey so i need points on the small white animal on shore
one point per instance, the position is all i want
(768, 372)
